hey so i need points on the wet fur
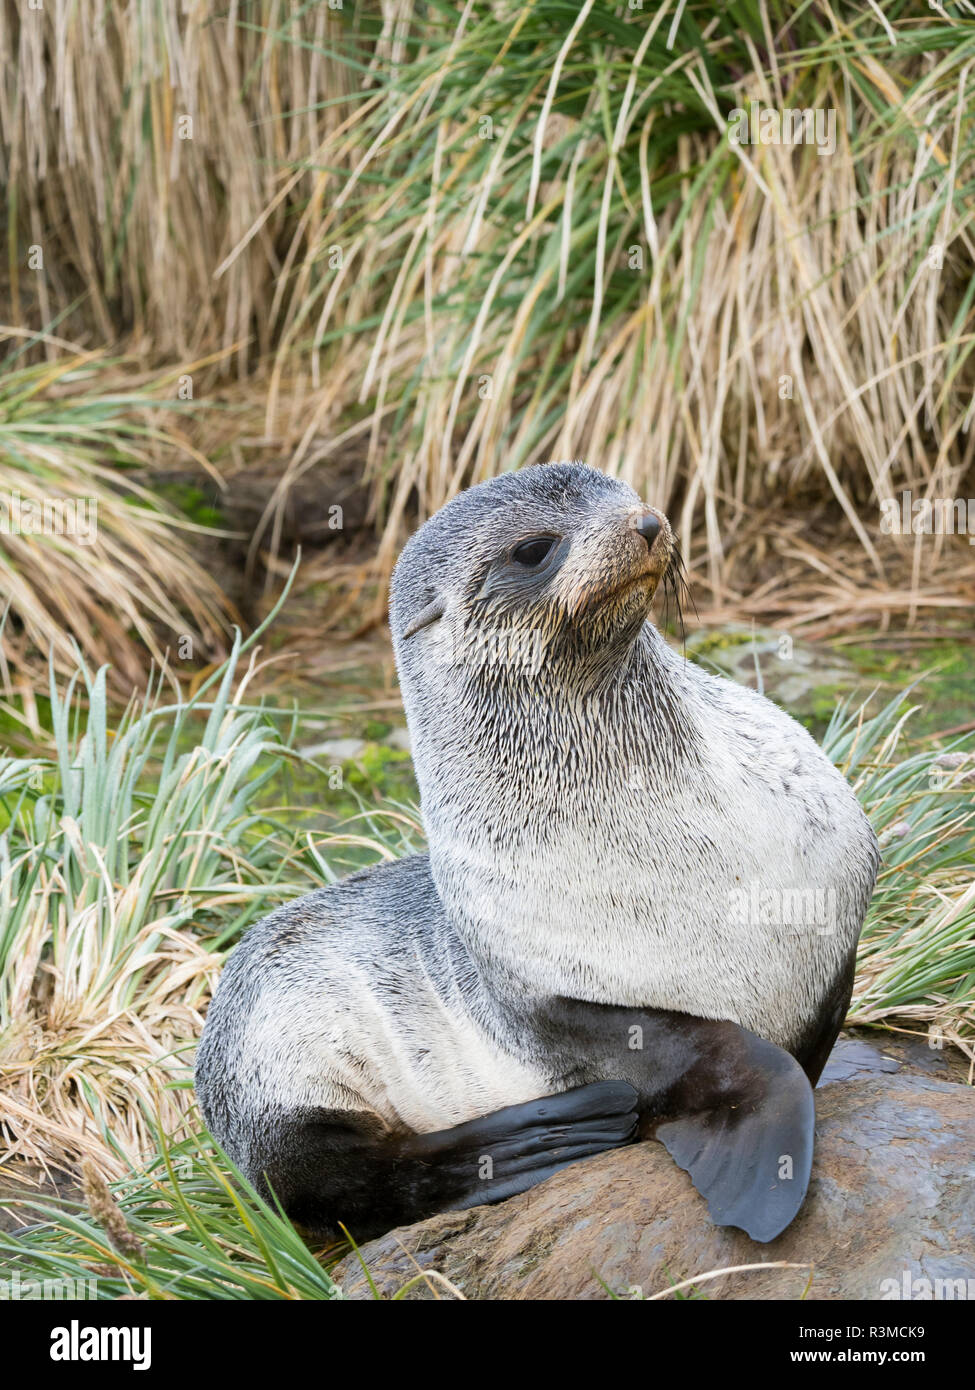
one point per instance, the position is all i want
(592, 802)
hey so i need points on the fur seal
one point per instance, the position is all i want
(637, 916)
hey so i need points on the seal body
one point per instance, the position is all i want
(638, 872)
(359, 994)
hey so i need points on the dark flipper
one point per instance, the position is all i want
(751, 1159)
(735, 1111)
(504, 1153)
(334, 1167)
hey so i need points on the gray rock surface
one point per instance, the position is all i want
(806, 679)
(891, 1205)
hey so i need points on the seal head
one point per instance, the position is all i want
(556, 564)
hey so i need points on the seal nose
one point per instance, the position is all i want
(649, 528)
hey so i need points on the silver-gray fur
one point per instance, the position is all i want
(604, 818)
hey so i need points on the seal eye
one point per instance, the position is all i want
(532, 552)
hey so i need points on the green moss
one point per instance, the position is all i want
(375, 729)
(944, 697)
(377, 768)
(819, 708)
(702, 645)
(193, 502)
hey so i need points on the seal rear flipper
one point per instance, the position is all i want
(332, 1167)
(750, 1154)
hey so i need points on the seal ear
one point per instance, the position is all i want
(425, 617)
(751, 1159)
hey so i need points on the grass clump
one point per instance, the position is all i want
(128, 858)
(551, 248)
(916, 960)
(467, 238)
(119, 574)
(187, 1227)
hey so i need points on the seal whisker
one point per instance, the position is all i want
(677, 593)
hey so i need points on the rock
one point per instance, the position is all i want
(920, 1054)
(335, 750)
(891, 1202)
(807, 680)
(852, 1057)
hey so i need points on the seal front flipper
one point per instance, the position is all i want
(341, 1167)
(750, 1153)
(510, 1150)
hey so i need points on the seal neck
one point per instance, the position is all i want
(529, 787)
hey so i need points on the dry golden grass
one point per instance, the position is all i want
(130, 213)
(809, 324)
(336, 222)
(120, 583)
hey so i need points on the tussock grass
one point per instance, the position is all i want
(187, 1227)
(604, 275)
(916, 961)
(476, 237)
(71, 432)
(136, 211)
(127, 859)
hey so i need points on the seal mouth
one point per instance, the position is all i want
(652, 572)
(646, 551)
(651, 576)
(663, 570)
